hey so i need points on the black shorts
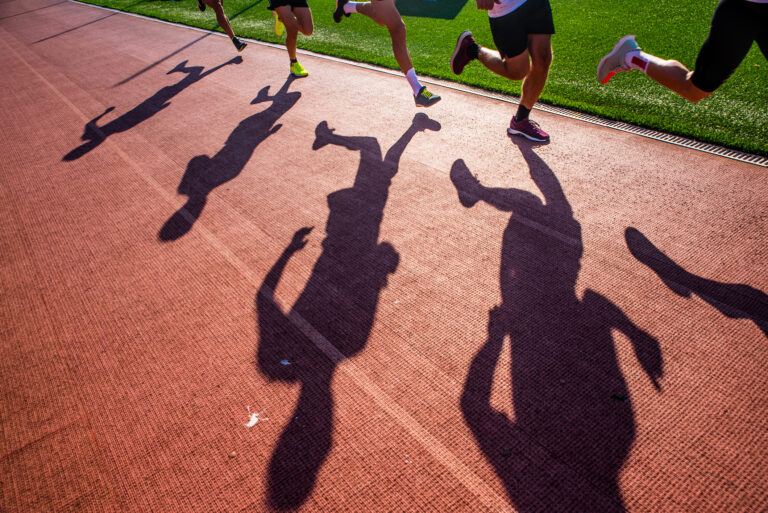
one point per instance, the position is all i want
(510, 32)
(274, 4)
(735, 25)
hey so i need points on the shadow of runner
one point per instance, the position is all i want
(735, 300)
(573, 422)
(94, 135)
(332, 318)
(203, 173)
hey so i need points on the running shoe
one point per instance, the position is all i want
(460, 57)
(339, 12)
(297, 70)
(279, 27)
(425, 98)
(201, 5)
(529, 129)
(239, 44)
(615, 60)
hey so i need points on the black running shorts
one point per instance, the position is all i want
(735, 25)
(510, 32)
(274, 4)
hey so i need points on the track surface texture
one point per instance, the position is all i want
(223, 291)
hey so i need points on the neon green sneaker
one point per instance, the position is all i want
(297, 70)
(279, 27)
(425, 98)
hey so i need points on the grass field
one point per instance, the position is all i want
(736, 115)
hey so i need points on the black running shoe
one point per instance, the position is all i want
(201, 5)
(339, 12)
(239, 44)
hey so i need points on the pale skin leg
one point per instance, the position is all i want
(221, 18)
(386, 14)
(531, 66)
(676, 77)
(298, 20)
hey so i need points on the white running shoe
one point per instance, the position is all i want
(614, 61)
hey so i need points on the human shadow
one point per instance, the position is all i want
(572, 424)
(184, 47)
(332, 318)
(735, 300)
(203, 173)
(94, 135)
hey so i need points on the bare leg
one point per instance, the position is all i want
(540, 48)
(386, 14)
(513, 68)
(221, 18)
(676, 77)
(298, 20)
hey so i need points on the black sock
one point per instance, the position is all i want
(293, 61)
(522, 112)
(473, 51)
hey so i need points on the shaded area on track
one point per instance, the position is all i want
(203, 173)
(339, 303)
(94, 135)
(570, 399)
(734, 300)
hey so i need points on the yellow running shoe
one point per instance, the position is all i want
(425, 98)
(297, 70)
(279, 27)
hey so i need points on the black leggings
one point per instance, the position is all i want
(735, 25)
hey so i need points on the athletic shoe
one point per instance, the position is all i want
(339, 11)
(239, 44)
(460, 57)
(201, 5)
(615, 60)
(297, 70)
(425, 98)
(279, 27)
(529, 129)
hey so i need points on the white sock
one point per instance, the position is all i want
(415, 85)
(351, 7)
(637, 59)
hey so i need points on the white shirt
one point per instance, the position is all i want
(507, 6)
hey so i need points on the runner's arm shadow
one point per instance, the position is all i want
(734, 300)
(646, 348)
(274, 326)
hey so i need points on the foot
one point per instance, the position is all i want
(279, 27)
(339, 11)
(529, 129)
(297, 70)
(460, 57)
(425, 98)
(615, 62)
(239, 44)
(201, 5)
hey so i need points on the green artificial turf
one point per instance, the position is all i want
(736, 115)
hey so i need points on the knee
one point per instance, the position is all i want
(397, 30)
(291, 26)
(695, 94)
(307, 29)
(691, 92)
(518, 72)
(542, 60)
